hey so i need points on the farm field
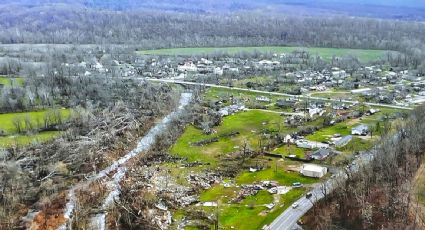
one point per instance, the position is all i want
(326, 53)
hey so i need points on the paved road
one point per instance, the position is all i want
(274, 93)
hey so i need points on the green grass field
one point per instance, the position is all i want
(11, 138)
(326, 53)
(6, 120)
(281, 176)
(250, 124)
(291, 150)
(251, 214)
(23, 140)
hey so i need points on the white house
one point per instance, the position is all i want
(187, 67)
(263, 99)
(312, 170)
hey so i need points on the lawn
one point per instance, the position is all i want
(281, 176)
(249, 124)
(219, 193)
(214, 93)
(336, 94)
(358, 144)
(326, 53)
(344, 128)
(325, 134)
(290, 150)
(248, 98)
(23, 140)
(258, 80)
(251, 215)
(6, 120)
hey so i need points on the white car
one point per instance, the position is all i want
(295, 205)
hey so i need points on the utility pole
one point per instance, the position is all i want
(216, 225)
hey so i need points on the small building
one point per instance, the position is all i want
(321, 154)
(312, 170)
(187, 67)
(343, 141)
(360, 130)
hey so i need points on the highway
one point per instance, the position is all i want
(274, 93)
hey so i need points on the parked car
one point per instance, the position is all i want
(297, 185)
(295, 205)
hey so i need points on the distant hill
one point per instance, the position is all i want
(392, 9)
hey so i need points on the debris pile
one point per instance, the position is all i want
(204, 181)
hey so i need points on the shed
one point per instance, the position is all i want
(312, 170)
(343, 141)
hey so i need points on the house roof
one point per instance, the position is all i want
(322, 152)
(361, 127)
(312, 168)
(344, 140)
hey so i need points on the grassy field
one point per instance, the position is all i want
(23, 140)
(291, 150)
(6, 120)
(344, 128)
(12, 138)
(325, 134)
(337, 94)
(249, 124)
(326, 53)
(281, 176)
(251, 214)
(248, 98)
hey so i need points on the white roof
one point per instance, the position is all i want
(312, 168)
